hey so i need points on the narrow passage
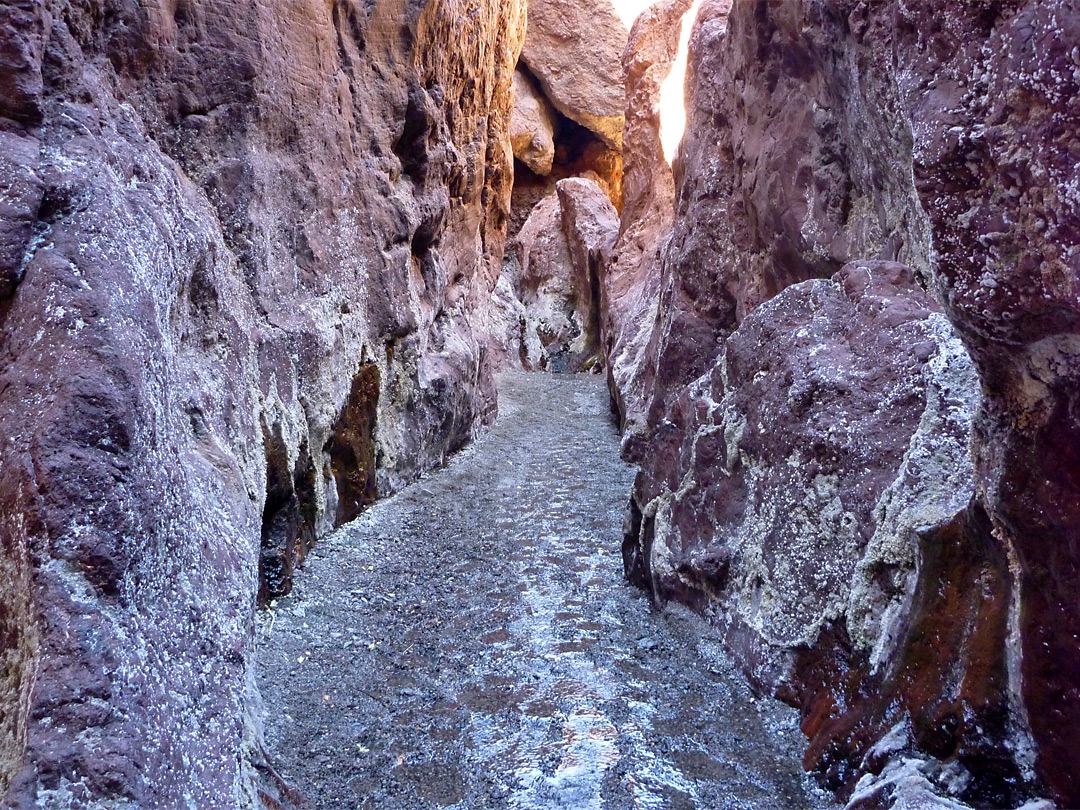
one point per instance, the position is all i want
(471, 643)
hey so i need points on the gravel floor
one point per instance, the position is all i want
(471, 643)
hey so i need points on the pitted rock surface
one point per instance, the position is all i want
(245, 254)
(943, 135)
(471, 643)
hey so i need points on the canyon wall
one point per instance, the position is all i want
(630, 281)
(244, 256)
(566, 132)
(860, 387)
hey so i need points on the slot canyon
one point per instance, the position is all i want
(540, 404)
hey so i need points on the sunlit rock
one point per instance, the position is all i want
(630, 281)
(574, 50)
(532, 126)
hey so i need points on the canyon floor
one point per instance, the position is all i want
(471, 642)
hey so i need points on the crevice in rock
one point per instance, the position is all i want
(411, 146)
(289, 514)
(351, 446)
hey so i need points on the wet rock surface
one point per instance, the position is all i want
(470, 642)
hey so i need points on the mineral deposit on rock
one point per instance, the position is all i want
(243, 253)
(942, 135)
(559, 252)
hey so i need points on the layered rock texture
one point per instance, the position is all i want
(856, 407)
(244, 253)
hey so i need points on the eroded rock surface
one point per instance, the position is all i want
(786, 172)
(245, 248)
(830, 434)
(824, 133)
(574, 49)
(510, 332)
(532, 126)
(995, 97)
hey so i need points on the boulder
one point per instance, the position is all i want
(591, 224)
(532, 126)
(574, 49)
(797, 489)
(942, 136)
(559, 251)
(577, 154)
(511, 334)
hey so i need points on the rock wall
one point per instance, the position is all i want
(630, 282)
(994, 96)
(244, 251)
(559, 252)
(929, 639)
(566, 132)
(786, 172)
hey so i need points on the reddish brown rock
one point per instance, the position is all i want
(243, 254)
(630, 281)
(787, 171)
(532, 126)
(559, 251)
(994, 97)
(802, 490)
(574, 50)
(942, 134)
